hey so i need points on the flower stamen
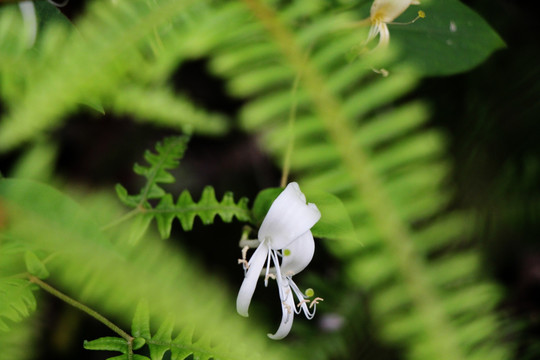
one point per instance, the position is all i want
(287, 306)
(243, 260)
(315, 301)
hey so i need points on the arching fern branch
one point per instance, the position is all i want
(386, 166)
(119, 37)
(167, 157)
(161, 342)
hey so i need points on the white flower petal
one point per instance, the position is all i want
(288, 218)
(298, 254)
(388, 10)
(30, 21)
(256, 263)
(384, 37)
(287, 308)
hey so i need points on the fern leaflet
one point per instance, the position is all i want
(162, 341)
(168, 155)
(17, 300)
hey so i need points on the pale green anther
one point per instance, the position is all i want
(310, 292)
(286, 252)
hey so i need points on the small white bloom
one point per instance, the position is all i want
(284, 234)
(28, 12)
(384, 12)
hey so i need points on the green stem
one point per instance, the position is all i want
(120, 220)
(290, 133)
(51, 290)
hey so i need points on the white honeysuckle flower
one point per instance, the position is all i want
(284, 234)
(28, 12)
(384, 12)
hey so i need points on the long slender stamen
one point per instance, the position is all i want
(268, 267)
(283, 296)
(302, 306)
(420, 15)
(315, 302)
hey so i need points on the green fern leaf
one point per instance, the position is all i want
(140, 325)
(113, 276)
(207, 208)
(35, 266)
(186, 210)
(160, 342)
(120, 38)
(108, 343)
(17, 301)
(184, 337)
(167, 157)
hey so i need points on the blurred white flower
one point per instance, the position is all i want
(30, 21)
(384, 12)
(285, 233)
(28, 12)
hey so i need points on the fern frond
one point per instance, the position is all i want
(355, 138)
(180, 347)
(17, 300)
(165, 109)
(44, 85)
(207, 208)
(169, 153)
(111, 276)
(167, 157)
(19, 342)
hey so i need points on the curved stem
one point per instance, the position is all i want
(123, 218)
(51, 290)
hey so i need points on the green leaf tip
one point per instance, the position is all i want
(168, 154)
(140, 326)
(107, 343)
(35, 266)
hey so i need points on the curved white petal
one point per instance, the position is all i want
(388, 10)
(298, 254)
(287, 308)
(288, 218)
(256, 263)
(30, 21)
(384, 37)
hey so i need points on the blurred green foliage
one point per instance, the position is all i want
(396, 262)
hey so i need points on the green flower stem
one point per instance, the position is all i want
(51, 290)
